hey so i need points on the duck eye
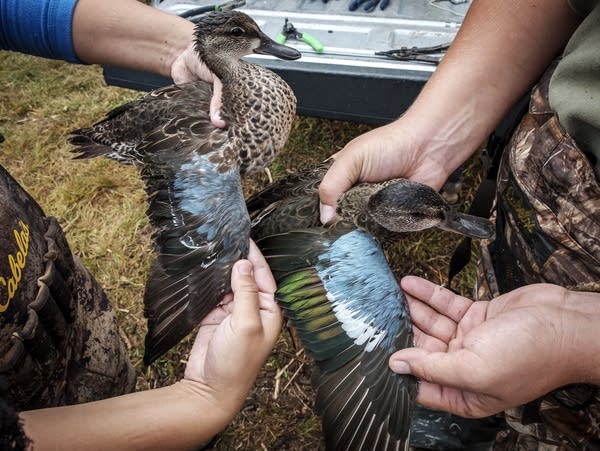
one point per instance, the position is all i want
(237, 31)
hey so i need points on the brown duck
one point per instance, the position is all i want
(192, 170)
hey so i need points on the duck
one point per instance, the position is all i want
(192, 170)
(387, 209)
(339, 294)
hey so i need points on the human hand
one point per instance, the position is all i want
(234, 341)
(475, 359)
(394, 150)
(186, 67)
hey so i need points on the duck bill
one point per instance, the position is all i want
(269, 47)
(468, 225)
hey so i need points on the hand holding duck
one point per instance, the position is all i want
(241, 334)
(187, 68)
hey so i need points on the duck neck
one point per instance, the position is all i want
(353, 207)
(220, 65)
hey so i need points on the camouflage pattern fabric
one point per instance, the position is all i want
(59, 340)
(547, 213)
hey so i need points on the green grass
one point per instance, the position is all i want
(101, 206)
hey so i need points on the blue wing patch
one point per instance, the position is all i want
(361, 287)
(202, 229)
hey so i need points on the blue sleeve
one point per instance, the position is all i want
(38, 27)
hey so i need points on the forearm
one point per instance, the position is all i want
(127, 33)
(580, 324)
(181, 416)
(499, 52)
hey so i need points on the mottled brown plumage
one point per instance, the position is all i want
(384, 209)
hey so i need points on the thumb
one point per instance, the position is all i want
(245, 292)
(340, 177)
(450, 369)
(215, 104)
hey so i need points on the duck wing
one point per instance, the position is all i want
(118, 135)
(288, 204)
(305, 183)
(196, 205)
(286, 214)
(337, 290)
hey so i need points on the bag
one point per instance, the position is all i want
(59, 340)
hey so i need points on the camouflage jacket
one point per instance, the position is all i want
(547, 213)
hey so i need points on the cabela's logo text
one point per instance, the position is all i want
(16, 263)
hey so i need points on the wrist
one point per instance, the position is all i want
(219, 408)
(443, 141)
(175, 43)
(580, 327)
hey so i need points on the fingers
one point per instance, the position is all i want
(340, 177)
(251, 302)
(215, 104)
(425, 341)
(440, 299)
(430, 322)
(181, 74)
(255, 313)
(184, 67)
(445, 399)
(187, 67)
(272, 316)
(216, 316)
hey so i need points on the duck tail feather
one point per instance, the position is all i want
(91, 150)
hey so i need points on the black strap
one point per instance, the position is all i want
(481, 206)
(484, 196)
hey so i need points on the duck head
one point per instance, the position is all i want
(234, 34)
(405, 206)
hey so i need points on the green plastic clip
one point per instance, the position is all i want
(313, 42)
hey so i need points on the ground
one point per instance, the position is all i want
(101, 206)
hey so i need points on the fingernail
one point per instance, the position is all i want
(244, 267)
(216, 119)
(327, 213)
(400, 367)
